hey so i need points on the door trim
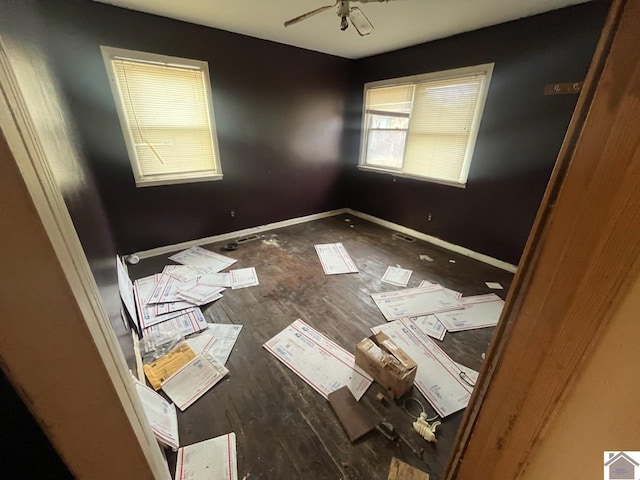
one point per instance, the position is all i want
(585, 231)
(79, 297)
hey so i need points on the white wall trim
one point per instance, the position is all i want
(436, 241)
(238, 233)
(317, 216)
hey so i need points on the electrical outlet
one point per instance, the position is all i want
(429, 218)
(232, 213)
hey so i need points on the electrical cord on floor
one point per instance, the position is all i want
(415, 417)
(422, 425)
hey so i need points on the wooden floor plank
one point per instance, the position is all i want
(284, 428)
(401, 471)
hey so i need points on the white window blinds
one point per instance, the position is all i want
(395, 99)
(443, 112)
(425, 126)
(166, 114)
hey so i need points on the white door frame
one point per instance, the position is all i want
(57, 346)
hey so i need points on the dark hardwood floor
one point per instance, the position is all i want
(285, 430)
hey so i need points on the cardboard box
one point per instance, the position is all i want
(387, 363)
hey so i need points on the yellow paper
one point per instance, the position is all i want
(161, 369)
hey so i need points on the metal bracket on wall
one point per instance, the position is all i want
(563, 88)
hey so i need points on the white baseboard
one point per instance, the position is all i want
(435, 241)
(316, 216)
(238, 233)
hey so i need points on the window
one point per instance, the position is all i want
(424, 126)
(166, 113)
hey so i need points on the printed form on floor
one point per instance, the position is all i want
(321, 363)
(334, 259)
(213, 459)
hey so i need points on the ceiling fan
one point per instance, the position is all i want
(346, 12)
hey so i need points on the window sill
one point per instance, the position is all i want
(153, 182)
(413, 177)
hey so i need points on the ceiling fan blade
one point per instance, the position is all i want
(360, 22)
(309, 14)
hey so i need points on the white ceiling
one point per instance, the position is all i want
(397, 24)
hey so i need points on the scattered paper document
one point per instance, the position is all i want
(430, 325)
(218, 341)
(438, 377)
(184, 273)
(244, 277)
(213, 459)
(494, 285)
(162, 416)
(216, 279)
(126, 292)
(166, 290)
(147, 314)
(201, 342)
(397, 276)
(479, 311)
(202, 259)
(335, 259)
(426, 257)
(321, 363)
(200, 293)
(181, 306)
(192, 321)
(162, 368)
(193, 380)
(415, 302)
(426, 283)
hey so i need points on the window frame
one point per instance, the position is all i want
(486, 69)
(108, 54)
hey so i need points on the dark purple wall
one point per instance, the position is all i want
(519, 138)
(279, 114)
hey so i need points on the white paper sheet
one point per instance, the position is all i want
(415, 302)
(162, 416)
(453, 293)
(335, 259)
(438, 376)
(213, 459)
(321, 363)
(181, 305)
(193, 380)
(202, 259)
(201, 342)
(184, 273)
(397, 276)
(494, 285)
(430, 325)
(480, 311)
(224, 336)
(192, 321)
(147, 315)
(217, 279)
(244, 277)
(125, 285)
(166, 290)
(200, 293)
